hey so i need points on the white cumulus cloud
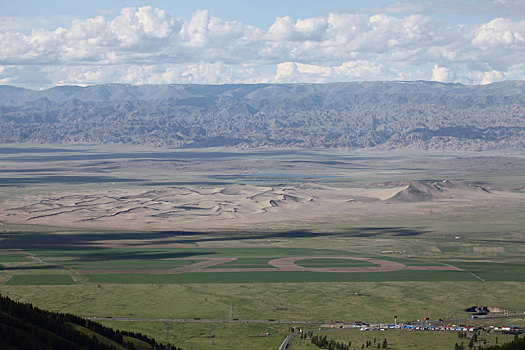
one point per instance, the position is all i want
(148, 45)
(440, 74)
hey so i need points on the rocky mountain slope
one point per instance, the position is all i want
(380, 115)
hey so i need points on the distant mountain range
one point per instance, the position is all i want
(378, 115)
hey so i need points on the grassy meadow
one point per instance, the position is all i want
(48, 266)
(211, 335)
(398, 339)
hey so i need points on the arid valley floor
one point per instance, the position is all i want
(283, 235)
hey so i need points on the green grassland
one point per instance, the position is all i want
(24, 326)
(287, 301)
(41, 280)
(294, 296)
(494, 271)
(374, 301)
(43, 265)
(141, 264)
(100, 338)
(8, 257)
(283, 277)
(211, 335)
(400, 339)
(120, 259)
(333, 263)
(244, 263)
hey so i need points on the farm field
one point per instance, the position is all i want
(421, 259)
(265, 265)
(118, 290)
(32, 274)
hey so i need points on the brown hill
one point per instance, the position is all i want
(420, 191)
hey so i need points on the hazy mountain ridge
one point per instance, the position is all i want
(383, 115)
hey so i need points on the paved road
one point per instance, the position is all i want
(289, 338)
(271, 321)
(203, 320)
(287, 341)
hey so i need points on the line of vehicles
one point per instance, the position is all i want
(410, 326)
(424, 327)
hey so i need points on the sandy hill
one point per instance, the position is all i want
(420, 191)
(239, 205)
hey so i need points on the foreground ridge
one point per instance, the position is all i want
(23, 326)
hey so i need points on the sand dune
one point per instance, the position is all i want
(411, 193)
(238, 189)
(420, 191)
(235, 206)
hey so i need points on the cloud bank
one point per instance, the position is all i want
(147, 45)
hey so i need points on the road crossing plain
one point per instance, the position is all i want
(401, 256)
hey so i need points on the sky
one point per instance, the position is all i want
(86, 42)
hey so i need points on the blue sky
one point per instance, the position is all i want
(257, 13)
(84, 42)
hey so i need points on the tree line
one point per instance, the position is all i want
(23, 326)
(322, 342)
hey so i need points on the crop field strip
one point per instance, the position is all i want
(244, 263)
(207, 265)
(334, 262)
(491, 246)
(42, 279)
(186, 265)
(184, 259)
(12, 258)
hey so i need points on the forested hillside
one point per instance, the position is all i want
(380, 115)
(23, 326)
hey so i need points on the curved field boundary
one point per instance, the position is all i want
(288, 264)
(281, 264)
